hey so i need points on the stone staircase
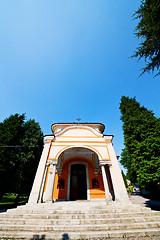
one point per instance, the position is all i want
(80, 220)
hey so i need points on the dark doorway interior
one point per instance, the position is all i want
(78, 184)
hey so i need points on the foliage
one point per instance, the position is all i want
(141, 155)
(29, 155)
(8, 200)
(148, 29)
(130, 189)
(129, 186)
(10, 132)
(20, 148)
(124, 179)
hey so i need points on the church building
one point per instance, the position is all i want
(78, 162)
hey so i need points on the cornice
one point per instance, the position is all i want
(59, 126)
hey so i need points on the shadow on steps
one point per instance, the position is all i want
(153, 204)
(65, 236)
(38, 237)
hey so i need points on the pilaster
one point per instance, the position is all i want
(50, 182)
(116, 175)
(37, 184)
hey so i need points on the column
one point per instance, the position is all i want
(115, 187)
(105, 181)
(50, 183)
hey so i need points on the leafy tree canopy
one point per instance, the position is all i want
(148, 29)
(141, 155)
(21, 145)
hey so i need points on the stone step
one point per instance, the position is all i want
(81, 228)
(83, 202)
(66, 205)
(88, 220)
(76, 205)
(82, 211)
(31, 221)
(112, 235)
(77, 216)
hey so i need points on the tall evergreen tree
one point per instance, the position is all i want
(148, 30)
(141, 155)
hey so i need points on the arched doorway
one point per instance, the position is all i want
(78, 182)
(75, 189)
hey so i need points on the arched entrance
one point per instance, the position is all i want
(78, 182)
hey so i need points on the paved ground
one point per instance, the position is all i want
(136, 199)
(153, 204)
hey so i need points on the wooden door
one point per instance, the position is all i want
(78, 184)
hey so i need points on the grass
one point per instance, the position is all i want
(8, 200)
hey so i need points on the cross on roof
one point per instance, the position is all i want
(78, 119)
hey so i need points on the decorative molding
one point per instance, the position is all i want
(54, 162)
(108, 138)
(105, 162)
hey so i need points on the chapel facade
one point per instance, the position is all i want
(78, 162)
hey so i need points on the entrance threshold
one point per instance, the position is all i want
(79, 200)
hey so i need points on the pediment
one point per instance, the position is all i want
(79, 132)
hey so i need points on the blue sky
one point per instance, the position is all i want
(60, 60)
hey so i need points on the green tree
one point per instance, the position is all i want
(10, 132)
(141, 155)
(148, 30)
(29, 155)
(21, 145)
(124, 179)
